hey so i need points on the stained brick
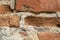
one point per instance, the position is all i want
(42, 21)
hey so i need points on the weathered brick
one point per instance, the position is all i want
(42, 21)
(10, 20)
(48, 36)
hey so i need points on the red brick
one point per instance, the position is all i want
(48, 36)
(58, 5)
(36, 5)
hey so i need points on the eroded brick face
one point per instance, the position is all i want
(48, 36)
(37, 5)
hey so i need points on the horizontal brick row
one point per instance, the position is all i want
(37, 5)
(42, 21)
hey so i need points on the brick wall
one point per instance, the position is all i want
(37, 5)
(28, 25)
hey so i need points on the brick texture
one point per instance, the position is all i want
(42, 21)
(48, 36)
(30, 26)
(10, 20)
(4, 9)
(37, 5)
(14, 20)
